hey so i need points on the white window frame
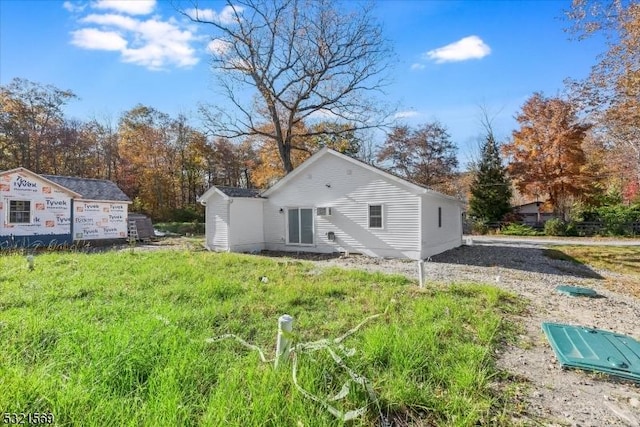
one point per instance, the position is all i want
(381, 216)
(9, 201)
(313, 225)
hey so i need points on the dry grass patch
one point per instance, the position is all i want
(624, 260)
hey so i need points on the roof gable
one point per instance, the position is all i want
(324, 152)
(42, 178)
(414, 188)
(84, 188)
(230, 192)
(542, 207)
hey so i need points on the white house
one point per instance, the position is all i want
(334, 203)
(534, 213)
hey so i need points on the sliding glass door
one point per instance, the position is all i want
(300, 226)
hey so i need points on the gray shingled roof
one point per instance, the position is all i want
(239, 192)
(90, 189)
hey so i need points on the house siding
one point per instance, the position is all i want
(217, 223)
(246, 225)
(444, 233)
(348, 189)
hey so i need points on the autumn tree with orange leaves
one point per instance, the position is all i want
(31, 122)
(163, 162)
(269, 167)
(611, 92)
(545, 155)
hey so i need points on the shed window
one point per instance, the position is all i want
(19, 212)
(439, 216)
(375, 216)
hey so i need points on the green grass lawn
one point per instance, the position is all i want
(119, 339)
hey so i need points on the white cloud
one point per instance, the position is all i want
(226, 16)
(417, 66)
(73, 7)
(218, 47)
(471, 47)
(153, 43)
(120, 21)
(131, 7)
(161, 43)
(405, 114)
(92, 38)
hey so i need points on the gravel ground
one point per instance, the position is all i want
(551, 396)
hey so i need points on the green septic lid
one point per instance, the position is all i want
(595, 350)
(576, 291)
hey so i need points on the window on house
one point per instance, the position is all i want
(375, 216)
(439, 216)
(300, 226)
(19, 212)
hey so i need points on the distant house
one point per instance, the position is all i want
(41, 210)
(534, 213)
(334, 203)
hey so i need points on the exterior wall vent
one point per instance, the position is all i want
(323, 211)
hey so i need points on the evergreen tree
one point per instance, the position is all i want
(491, 188)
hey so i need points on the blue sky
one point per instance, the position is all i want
(452, 56)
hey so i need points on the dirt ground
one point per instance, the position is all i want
(547, 395)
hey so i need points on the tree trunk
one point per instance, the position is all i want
(285, 155)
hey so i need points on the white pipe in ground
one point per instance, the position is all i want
(421, 272)
(283, 343)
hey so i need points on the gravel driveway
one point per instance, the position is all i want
(551, 396)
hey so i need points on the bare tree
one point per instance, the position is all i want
(424, 155)
(303, 61)
(367, 152)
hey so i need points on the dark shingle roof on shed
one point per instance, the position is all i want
(91, 189)
(239, 192)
